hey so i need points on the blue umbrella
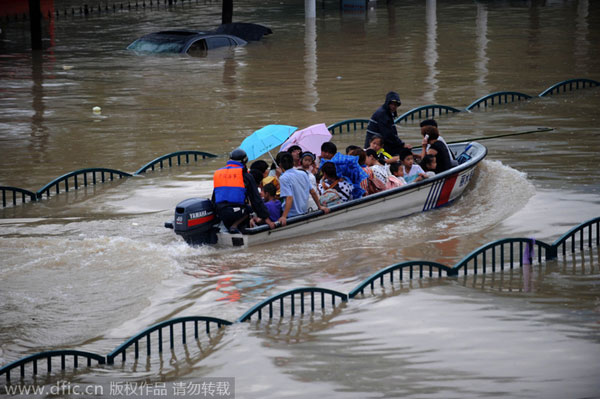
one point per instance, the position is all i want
(266, 139)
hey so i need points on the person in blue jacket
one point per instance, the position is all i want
(382, 124)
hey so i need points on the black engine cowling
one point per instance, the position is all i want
(196, 221)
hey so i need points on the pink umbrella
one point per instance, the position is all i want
(309, 139)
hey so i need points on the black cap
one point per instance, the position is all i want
(238, 155)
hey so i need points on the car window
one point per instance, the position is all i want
(151, 46)
(198, 48)
(214, 42)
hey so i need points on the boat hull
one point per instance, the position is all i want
(432, 193)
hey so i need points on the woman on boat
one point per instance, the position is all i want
(436, 148)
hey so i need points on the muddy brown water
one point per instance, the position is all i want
(88, 269)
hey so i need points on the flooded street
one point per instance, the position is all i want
(90, 268)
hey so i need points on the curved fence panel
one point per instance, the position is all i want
(63, 354)
(503, 253)
(355, 124)
(16, 193)
(500, 254)
(427, 111)
(279, 299)
(81, 178)
(589, 231)
(168, 159)
(501, 97)
(135, 340)
(422, 268)
(569, 85)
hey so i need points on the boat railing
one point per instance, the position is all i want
(427, 111)
(168, 159)
(422, 268)
(290, 295)
(170, 324)
(497, 98)
(355, 124)
(576, 231)
(570, 85)
(81, 177)
(48, 355)
(503, 253)
(15, 193)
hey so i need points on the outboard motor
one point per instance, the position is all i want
(196, 221)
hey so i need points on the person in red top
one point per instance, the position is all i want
(233, 187)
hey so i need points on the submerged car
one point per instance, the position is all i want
(196, 42)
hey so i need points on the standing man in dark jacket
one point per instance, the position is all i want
(382, 124)
(233, 185)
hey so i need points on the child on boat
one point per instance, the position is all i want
(428, 164)
(273, 205)
(397, 176)
(411, 171)
(333, 189)
(307, 164)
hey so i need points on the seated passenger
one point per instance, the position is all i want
(346, 166)
(333, 189)
(295, 189)
(433, 146)
(374, 184)
(432, 122)
(397, 176)
(411, 171)
(261, 166)
(295, 150)
(376, 143)
(351, 148)
(272, 204)
(379, 171)
(307, 164)
(428, 164)
(328, 150)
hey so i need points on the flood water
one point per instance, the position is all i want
(88, 269)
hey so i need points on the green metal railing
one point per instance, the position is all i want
(503, 253)
(81, 178)
(92, 176)
(570, 85)
(355, 124)
(168, 158)
(135, 340)
(579, 231)
(427, 111)
(348, 125)
(497, 98)
(62, 354)
(16, 192)
(291, 294)
(421, 266)
(494, 256)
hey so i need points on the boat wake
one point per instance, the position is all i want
(498, 192)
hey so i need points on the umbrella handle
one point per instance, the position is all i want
(275, 162)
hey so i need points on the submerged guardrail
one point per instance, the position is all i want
(18, 196)
(499, 254)
(92, 176)
(497, 98)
